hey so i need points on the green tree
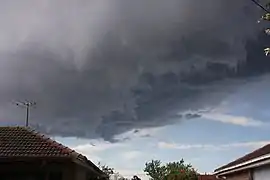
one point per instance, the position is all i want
(110, 172)
(135, 178)
(155, 170)
(265, 17)
(170, 171)
(123, 178)
(106, 169)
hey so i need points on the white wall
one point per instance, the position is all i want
(261, 173)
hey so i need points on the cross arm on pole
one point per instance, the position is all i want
(26, 105)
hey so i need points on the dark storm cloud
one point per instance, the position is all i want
(100, 68)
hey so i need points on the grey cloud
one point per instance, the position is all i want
(100, 68)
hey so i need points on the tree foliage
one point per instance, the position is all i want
(109, 172)
(106, 169)
(170, 171)
(135, 178)
(155, 170)
(265, 17)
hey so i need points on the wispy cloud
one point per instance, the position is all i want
(236, 120)
(129, 155)
(139, 133)
(92, 150)
(98, 146)
(253, 144)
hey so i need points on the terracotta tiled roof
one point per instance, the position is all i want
(207, 177)
(257, 153)
(24, 142)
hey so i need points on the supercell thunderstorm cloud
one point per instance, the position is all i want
(98, 68)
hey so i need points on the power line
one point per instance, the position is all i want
(26, 105)
(261, 6)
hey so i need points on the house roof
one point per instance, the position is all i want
(255, 154)
(22, 142)
(207, 177)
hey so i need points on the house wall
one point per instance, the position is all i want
(43, 170)
(261, 173)
(68, 172)
(81, 173)
(244, 175)
(36, 170)
(207, 177)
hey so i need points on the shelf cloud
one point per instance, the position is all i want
(100, 68)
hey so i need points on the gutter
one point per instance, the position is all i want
(259, 161)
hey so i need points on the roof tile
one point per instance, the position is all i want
(255, 154)
(24, 142)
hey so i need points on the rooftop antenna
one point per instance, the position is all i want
(261, 6)
(27, 105)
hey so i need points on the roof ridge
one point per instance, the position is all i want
(21, 141)
(72, 153)
(50, 141)
(232, 163)
(58, 145)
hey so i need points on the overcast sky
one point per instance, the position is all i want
(238, 126)
(98, 69)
